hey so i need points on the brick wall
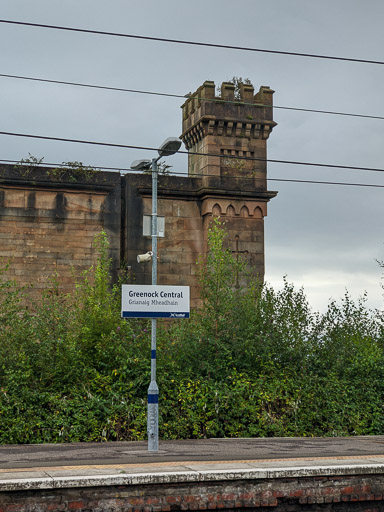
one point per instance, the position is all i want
(361, 493)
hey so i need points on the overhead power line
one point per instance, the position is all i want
(170, 95)
(120, 89)
(192, 43)
(183, 174)
(78, 141)
(233, 157)
(327, 182)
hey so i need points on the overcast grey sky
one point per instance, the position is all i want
(323, 237)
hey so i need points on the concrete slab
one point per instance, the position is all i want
(216, 467)
(54, 473)
(210, 450)
(63, 466)
(24, 475)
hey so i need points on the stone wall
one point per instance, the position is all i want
(183, 243)
(48, 223)
(188, 208)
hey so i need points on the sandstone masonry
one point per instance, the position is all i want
(48, 219)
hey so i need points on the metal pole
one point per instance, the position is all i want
(153, 390)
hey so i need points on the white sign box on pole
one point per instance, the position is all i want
(154, 301)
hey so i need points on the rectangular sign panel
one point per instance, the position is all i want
(154, 301)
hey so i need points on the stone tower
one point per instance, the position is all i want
(226, 137)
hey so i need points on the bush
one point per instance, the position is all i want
(251, 361)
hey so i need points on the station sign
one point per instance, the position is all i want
(155, 301)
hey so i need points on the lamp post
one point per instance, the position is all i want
(169, 147)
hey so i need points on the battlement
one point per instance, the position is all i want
(233, 125)
(246, 94)
(244, 114)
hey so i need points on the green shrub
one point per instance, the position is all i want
(251, 361)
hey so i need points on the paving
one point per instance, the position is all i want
(115, 463)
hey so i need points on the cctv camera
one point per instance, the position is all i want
(143, 258)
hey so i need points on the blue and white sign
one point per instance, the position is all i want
(155, 301)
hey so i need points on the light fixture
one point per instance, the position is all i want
(141, 165)
(169, 147)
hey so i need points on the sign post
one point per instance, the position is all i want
(154, 301)
(169, 147)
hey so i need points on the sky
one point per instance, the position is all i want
(325, 238)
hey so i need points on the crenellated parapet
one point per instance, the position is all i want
(227, 133)
(249, 116)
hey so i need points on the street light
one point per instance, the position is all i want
(169, 147)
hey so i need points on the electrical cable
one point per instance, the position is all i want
(184, 97)
(234, 157)
(192, 43)
(327, 182)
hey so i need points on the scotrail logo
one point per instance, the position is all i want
(178, 315)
